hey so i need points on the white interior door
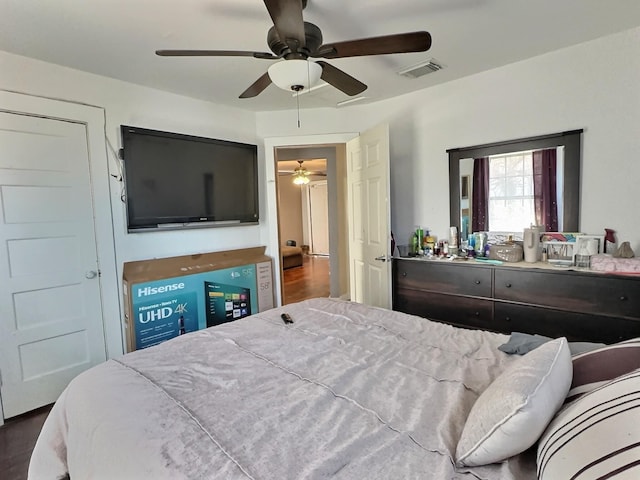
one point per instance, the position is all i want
(369, 217)
(51, 325)
(319, 217)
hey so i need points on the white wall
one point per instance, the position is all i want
(592, 86)
(129, 104)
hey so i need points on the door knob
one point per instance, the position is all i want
(91, 274)
(383, 258)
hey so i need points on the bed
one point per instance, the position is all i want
(291, 256)
(346, 391)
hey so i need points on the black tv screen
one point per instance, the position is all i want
(177, 181)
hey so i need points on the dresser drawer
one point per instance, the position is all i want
(461, 311)
(443, 278)
(556, 323)
(572, 291)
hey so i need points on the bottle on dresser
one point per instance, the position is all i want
(471, 252)
(453, 240)
(419, 236)
(481, 243)
(431, 241)
(414, 244)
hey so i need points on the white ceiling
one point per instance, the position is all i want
(118, 38)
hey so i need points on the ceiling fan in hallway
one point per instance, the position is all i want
(293, 42)
(300, 175)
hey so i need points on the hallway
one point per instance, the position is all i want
(309, 281)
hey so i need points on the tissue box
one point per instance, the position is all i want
(607, 263)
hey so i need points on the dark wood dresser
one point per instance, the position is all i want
(554, 302)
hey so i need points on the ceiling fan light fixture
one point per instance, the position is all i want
(320, 85)
(300, 175)
(292, 74)
(300, 179)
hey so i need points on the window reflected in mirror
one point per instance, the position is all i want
(518, 192)
(509, 186)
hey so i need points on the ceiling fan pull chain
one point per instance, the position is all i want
(298, 103)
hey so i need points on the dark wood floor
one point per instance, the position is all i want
(17, 439)
(18, 435)
(311, 280)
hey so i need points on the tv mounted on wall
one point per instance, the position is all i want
(183, 181)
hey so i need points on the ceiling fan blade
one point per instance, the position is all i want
(287, 18)
(257, 87)
(341, 80)
(215, 53)
(398, 43)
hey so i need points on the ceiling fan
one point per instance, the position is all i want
(300, 175)
(293, 41)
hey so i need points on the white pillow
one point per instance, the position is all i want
(514, 410)
(597, 436)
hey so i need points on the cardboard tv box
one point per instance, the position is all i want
(167, 297)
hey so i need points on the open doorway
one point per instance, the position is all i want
(303, 223)
(359, 216)
(332, 147)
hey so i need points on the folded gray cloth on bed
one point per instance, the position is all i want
(521, 343)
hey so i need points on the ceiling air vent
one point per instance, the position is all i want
(421, 69)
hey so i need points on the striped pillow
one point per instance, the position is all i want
(597, 367)
(595, 437)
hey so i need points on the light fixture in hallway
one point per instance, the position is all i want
(300, 175)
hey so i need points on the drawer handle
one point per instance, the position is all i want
(477, 282)
(508, 285)
(404, 274)
(623, 298)
(477, 314)
(507, 319)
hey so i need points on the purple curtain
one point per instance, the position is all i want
(480, 195)
(544, 189)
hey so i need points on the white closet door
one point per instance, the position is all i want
(51, 325)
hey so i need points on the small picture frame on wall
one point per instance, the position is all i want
(464, 186)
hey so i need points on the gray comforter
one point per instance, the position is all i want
(346, 391)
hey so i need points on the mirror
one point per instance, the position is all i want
(461, 175)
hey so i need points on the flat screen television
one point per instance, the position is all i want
(182, 181)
